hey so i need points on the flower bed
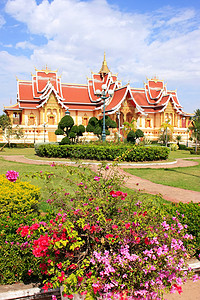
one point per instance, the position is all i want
(103, 243)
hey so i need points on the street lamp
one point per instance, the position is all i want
(118, 117)
(34, 127)
(67, 113)
(44, 125)
(103, 96)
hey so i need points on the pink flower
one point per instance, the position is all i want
(97, 208)
(53, 164)
(96, 178)
(12, 175)
(107, 167)
(30, 271)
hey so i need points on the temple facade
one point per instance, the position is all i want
(44, 100)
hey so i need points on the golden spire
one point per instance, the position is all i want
(104, 69)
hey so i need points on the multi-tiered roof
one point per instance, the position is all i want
(152, 98)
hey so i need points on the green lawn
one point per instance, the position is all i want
(185, 178)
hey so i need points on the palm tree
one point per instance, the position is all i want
(128, 126)
(165, 126)
(195, 127)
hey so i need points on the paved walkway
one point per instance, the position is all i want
(169, 193)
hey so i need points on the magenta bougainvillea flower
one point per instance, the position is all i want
(12, 175)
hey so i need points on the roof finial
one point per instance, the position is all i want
(104, 69)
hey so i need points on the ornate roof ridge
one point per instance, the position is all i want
(104, 68)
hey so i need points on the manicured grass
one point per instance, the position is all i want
(61, 180)
(185, 178)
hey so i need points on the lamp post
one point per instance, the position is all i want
(118, 117)
(44, 125)
(34, 127)
(67, 113)
(103, 96)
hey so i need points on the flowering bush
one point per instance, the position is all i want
(102, 243)
(17, 196)
(12, 175)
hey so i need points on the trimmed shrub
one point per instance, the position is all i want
(18, 145)
(104, 152)
(131, 137)
(193, 151)
(18, 197)
(66, 140)
(182, 147)
(174, 147)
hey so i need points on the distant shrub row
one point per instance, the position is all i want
(18, 145)
(104, 152)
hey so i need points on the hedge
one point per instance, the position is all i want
(104, 152)
(17, 145)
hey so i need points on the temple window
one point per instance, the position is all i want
(16, 119)
(148, 123)
(51, 119)
(31, 120)
(85, 120)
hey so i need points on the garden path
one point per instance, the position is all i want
(169, 193)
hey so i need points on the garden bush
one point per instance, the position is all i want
(18, 197)
(189, 213)
(104, 243)
(18, 145)
(17, 263)
(104, 152)
(182, 147)
(194, 152)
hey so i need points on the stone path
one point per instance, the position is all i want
(169, 193)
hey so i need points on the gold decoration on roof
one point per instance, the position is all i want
(104, 69)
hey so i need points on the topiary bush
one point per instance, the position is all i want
(65, 141)
(18, 197)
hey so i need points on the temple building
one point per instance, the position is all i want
(44, 100)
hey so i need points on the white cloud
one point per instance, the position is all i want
(165, 42)
(25, 45)
(2, 21)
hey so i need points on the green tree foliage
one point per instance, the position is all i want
(66, 124)
(166, 130)
(131, 137)
(96, 126)
(8, 131)
(4, 122)
(195, 125)
(66, 127)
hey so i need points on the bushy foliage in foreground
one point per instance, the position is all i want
(104, 152)
(17, 197)
(100, 242)
(104, 243)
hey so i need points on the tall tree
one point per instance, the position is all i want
(167, 129)
(96, 126)
(195, 127)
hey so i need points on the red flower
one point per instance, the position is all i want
(80, 279)
(137, 240)
(108, 235)
(59, 265)
(147, 241)
(89, 274)
(114, 226)
(127, 225)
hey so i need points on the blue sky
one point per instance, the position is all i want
(141, 39)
